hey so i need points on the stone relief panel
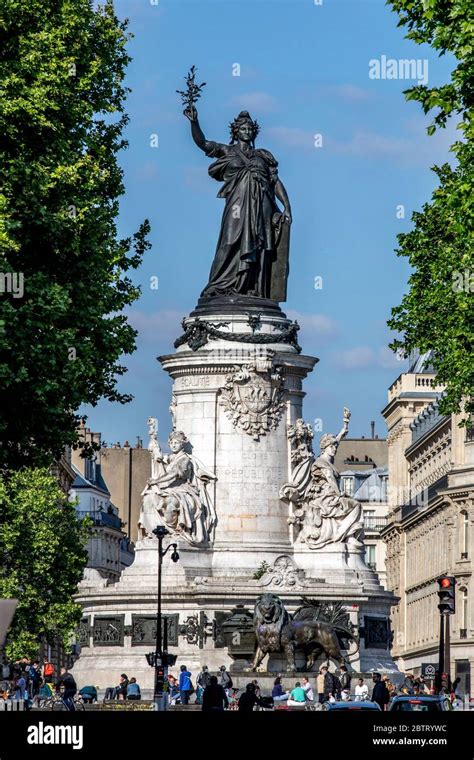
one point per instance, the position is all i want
(253, 396)
(108, 631)
(144, 629)
(84, 632)
(377, 633)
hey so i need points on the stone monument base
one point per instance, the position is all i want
(210, 615)
(238, 375)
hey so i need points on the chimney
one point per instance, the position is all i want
(372, 427)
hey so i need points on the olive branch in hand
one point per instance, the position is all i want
(193, 91)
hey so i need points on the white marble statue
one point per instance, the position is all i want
(177, 494)
(321, 512)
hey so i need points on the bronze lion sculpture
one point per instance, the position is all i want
(276, 631)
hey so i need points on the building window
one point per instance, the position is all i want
(348, 486)
(370, 556)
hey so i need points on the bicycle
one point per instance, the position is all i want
(56, 703)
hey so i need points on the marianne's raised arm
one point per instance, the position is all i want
(196, 131)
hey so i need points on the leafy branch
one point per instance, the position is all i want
(193, 92)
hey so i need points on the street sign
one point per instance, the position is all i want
(428, 670)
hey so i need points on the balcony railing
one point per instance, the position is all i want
(374, 523)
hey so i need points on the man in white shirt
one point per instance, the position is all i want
(361, 691)
(308, 690)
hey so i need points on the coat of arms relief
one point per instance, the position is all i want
(253, 396)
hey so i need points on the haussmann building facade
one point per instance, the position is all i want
(430, 528)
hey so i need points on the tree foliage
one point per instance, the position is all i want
(62, 65)
(43, 557)
(437, 312)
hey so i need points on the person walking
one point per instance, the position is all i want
(224, 679)
(214, 698)
(133, 690)
(345, 679)
(202, 682)
(320, 683)
(68, 684)
(361, 691)
(185, 685)
(380, 693)
(330, 685)
(48, 670)
(19, 687)
(34, 679)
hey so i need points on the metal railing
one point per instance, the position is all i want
(374, 523)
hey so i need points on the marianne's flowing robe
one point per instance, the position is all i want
(247, 242)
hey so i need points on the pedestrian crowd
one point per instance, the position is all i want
(31, 682)
(216, 693)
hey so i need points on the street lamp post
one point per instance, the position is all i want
(159, 658)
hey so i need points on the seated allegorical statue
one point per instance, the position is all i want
(177, 495)
(322, 513)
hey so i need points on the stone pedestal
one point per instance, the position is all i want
(237, 385)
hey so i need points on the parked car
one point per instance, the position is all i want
(405, 703)
(346, 705)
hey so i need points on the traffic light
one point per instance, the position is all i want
(447, 602)
(169, 659)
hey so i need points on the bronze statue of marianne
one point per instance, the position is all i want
(252, 251)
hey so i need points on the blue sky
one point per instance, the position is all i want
(304, 70)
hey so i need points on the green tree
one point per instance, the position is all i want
(437, 312)
(43, 557)
(62, 65)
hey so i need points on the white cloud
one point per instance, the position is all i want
(363, 357)
(348, 92)
(411, 147)
(157, 327)
(255, 101)
(292, 137)
(314, 324)
(389, 360)
(360, 357)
